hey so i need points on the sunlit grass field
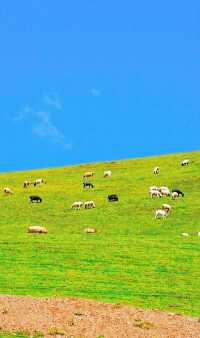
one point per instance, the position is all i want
(132, 258)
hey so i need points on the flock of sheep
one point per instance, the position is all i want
(76, 205)
(33, 198)
(86, 184)
(154, 191)
(165, 191)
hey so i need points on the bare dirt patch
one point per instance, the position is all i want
(68, 317)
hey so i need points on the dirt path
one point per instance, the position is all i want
(63, 317)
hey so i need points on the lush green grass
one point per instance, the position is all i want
(132, 258)
(20, 334)
(12, 335)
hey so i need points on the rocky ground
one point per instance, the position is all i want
(66, 317)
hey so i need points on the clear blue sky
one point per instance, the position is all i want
(97, 80)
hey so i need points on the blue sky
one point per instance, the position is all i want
(97, 80)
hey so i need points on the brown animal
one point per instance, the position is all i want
(88, 174)
(166, 207)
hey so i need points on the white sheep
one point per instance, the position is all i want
(7, 191)
(174, 195)
(165, 191)
(156, 170)
(160, 213)
(107, 173)
(77, 205)
(155, 193)
(89, 205)
(38, 181)
(185, 162)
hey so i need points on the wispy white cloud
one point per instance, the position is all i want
(46, 128)
(53, 100)
(42, 124)
(95, 92)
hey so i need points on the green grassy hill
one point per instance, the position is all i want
(132, 258)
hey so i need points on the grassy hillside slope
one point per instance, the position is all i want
(132, 258)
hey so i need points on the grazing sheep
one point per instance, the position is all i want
(166, 207)
(77, 205)
(88, 174)
(88, 185)
(113, 198)
(155, 193)
(185, 234)
(160, 213)
(35, 198)
(174, 195)
(89, 205)
(107, 173)
(179, 192)
(185, 162)
(37, 229)
(7, 191)
(26, 184)
(165, 191)
(156, 170)
(38, 181)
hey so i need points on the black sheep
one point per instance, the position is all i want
(113, 198)
(88, 184)
(35, 199)
(179, 192)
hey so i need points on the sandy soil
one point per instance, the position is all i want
(74, 318)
